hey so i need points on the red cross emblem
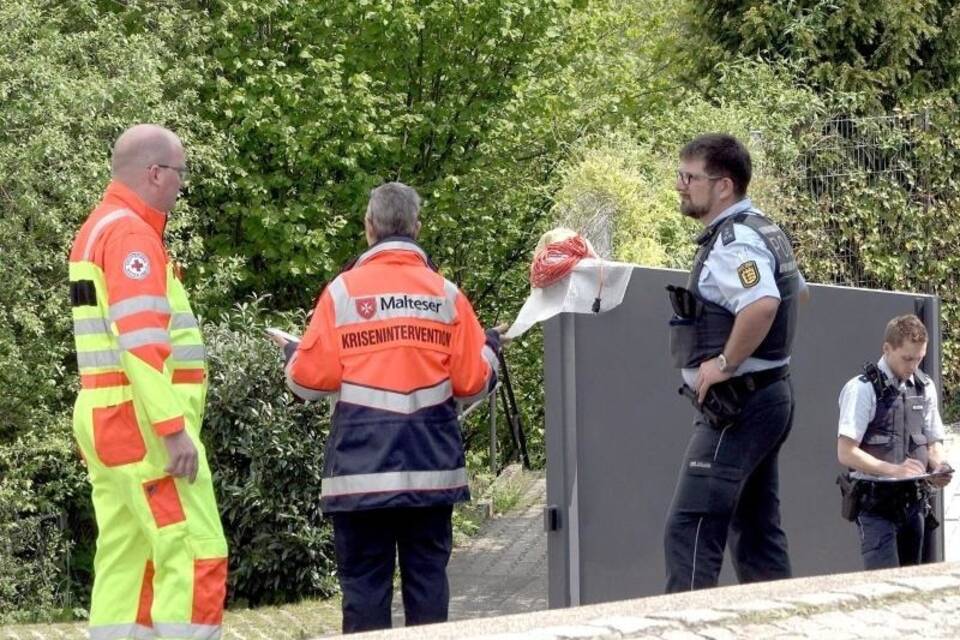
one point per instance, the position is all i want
(136, 265)
(366, 307)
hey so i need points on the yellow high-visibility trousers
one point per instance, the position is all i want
(161, 562)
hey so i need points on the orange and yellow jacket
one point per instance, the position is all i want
(132, 321)
(397, 347)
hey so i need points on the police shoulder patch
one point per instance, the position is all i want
(136, 265)
(749, 274)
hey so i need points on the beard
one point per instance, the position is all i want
(690, 210)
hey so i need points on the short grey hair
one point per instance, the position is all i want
(393, 210)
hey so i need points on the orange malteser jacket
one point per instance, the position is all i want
(396, 346)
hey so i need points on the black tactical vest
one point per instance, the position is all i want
(896, 431)
(701, 333)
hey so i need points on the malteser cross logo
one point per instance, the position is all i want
(366, 307)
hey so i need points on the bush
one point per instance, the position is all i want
(266, 453)
(44, 570)
(632, 186)
(71, 79)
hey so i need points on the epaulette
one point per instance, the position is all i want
(727, 234)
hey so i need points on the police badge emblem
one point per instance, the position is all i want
(749, 274)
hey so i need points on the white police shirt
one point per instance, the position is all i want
(858, 406)
(723, 280)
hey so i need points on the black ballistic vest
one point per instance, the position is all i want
(896, 431)
(702, 334)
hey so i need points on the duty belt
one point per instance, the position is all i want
(892, 500)
(908, 490)
(750, 382)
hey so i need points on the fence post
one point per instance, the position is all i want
(492, 399)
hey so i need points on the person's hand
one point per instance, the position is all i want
(944, 480)
(183, 455)
(708, 375)
(502, 329)
(909, 468)
(280, 341)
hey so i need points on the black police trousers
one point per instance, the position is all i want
(889, 539)
(366, 544)
(729, 483)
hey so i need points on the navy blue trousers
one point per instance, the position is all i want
(729, 485)
(887, 542)
(366, 543)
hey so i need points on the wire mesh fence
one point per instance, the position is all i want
(856, 191)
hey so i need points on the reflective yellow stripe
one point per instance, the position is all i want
(183, 320)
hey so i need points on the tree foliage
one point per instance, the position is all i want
(70, 82)
(71, 79)
(884, 51)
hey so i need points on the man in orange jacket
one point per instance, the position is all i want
(397, 347)
(161, 563)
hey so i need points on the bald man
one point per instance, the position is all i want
(161, 562)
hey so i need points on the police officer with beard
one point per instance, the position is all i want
(890, 429)
(731, 336)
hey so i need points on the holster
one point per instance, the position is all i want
(851, 491)
(721, 406)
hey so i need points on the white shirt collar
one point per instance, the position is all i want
(735, 208)
(883, 366)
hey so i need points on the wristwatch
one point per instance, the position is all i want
(722, 363)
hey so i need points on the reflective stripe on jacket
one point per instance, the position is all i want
(396, 346)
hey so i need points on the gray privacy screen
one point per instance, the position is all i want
(617, 429)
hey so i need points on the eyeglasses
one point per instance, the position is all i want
(685, 177)
(182, 172)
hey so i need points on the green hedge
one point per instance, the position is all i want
(266, 453)
(46, 528)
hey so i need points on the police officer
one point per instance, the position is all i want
(890, 428)
(397, 347)
(731, 336)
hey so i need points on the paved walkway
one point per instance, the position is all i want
(503, 569)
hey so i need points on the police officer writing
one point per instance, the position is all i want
(890, 429)
(731, 336)
(397, 347)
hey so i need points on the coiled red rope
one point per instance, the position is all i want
(556, 260)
